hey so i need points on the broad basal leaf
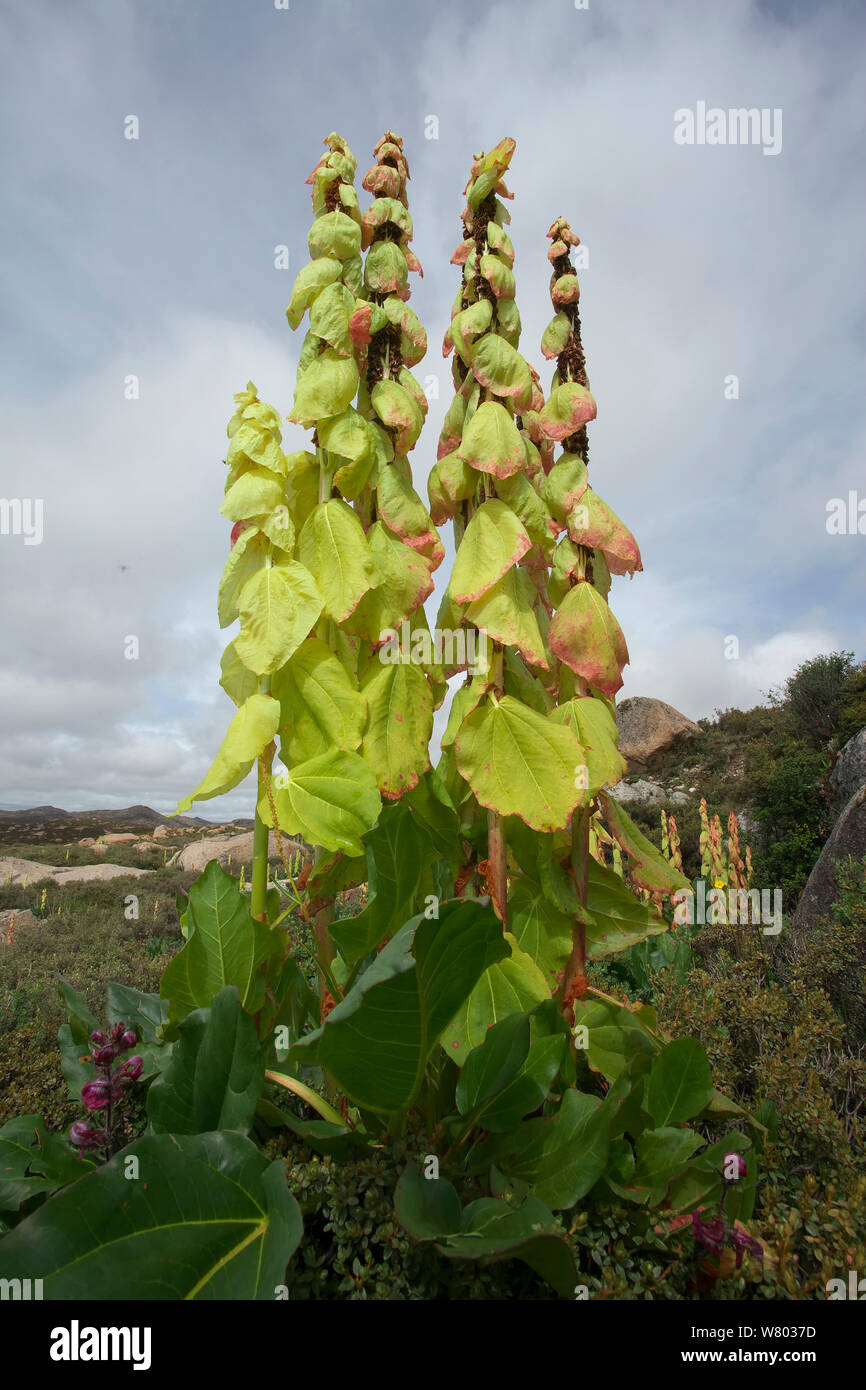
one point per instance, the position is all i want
(34, 1162)
(399, 862)
(215, 1075)
(513, 985)
(225, 946)
(680, 1082)
(376, 1042)
(208, 1218)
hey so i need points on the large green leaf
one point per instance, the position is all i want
(326, 388)
(207, 1217)
(541, 928)
(617, 919)
(320, 705)
(587, 637)
(680, 1082)
(492, 442)
(399, 860)
(145, 1014)
(518, 762)
(511, 985)
(331, 800)
(493, 541)
(595, 727)
(333, 547)
(226, 946)
(251, 730)
(510, 1073)
(33, 1162)
(376, 1042)
(216, 1073)
(278, 606)
(247, 555)
(309, 283)
(487, 1229)
(399, 725)
(428, 1208)
(613, 1035)
(561, 1156)
(500, 367)
(646, 865)
(506, 614)
(405, 583)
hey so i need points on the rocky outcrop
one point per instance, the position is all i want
(11, 920)
(847, 837)
(22, 872)
(649, 793)
(849, 772)
(230, 851)
(121, 838)
(648, 729)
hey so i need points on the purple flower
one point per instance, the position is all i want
(132, 1068)
(710, 1234)
(117, 1032)
(741, 1242)
(95, 1095)
(736, 1163)
(82, 1137)
(97, 1037)
(128, 1040)
(104, 1056)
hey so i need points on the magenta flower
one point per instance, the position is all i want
(95, 1095)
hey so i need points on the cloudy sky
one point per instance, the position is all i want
(155, 258)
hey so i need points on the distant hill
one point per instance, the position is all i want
(53, 825)
(132, 815)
